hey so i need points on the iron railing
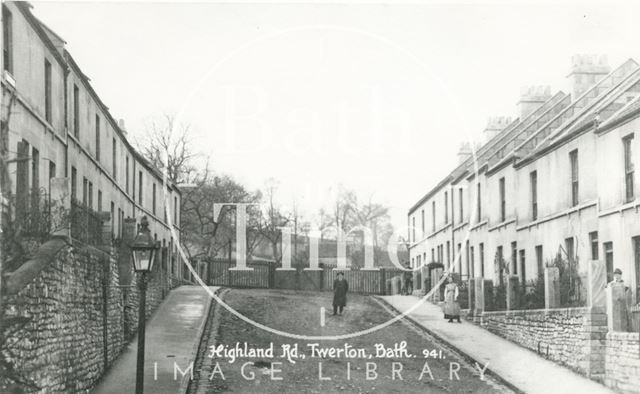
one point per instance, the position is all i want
(33, 213)
(86, 225)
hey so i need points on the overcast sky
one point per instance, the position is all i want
(376, 97)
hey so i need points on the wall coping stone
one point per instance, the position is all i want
(620, 335)
(28, 271)
(575, 311)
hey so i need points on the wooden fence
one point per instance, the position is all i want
(265, 275)
(221, 274)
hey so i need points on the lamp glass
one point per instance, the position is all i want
(143, 259)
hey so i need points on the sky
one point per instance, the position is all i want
(374, 97)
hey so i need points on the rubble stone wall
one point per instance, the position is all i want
(573, 337)
(80, 318)
(71, 305)
(623, 362)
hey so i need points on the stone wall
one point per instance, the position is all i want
(623, 362)
(157, 288)
(573, 337)
(159, 283)
(81, 317)
(75, 328)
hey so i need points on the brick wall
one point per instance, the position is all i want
(623, 362)
(573, 337)
(72, 303)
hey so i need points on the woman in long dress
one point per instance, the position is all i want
(451, 307)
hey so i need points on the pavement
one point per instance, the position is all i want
(172, 335)
(519, 367)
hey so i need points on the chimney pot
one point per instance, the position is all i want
(531, 98)
(122, 126)
(464, 152)
(495, 125)
(586, 71)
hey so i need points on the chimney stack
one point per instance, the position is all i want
(121, 126)
(495, 125)
(464, 152)
(531, 98)
(586, 71)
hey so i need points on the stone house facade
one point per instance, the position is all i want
(76, 289)
(559, 177)
(56, 126)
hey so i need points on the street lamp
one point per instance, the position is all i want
(143, 250)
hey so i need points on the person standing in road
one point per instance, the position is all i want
(408, 280)
(340, 289)
(451, 307)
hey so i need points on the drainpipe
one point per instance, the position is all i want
(453, 237)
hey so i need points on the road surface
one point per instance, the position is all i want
(354, 366)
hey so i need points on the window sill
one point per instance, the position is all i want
(479, 224)
(8, 76)
(633, 204)
(460, 225)
(441, 229)
(504, 223)
(569, 211)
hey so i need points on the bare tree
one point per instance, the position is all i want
(205, 235)
(344, 209)
(374, 216)
(347, 211)
(342, 212)
(273, 221)
(168, 146)
(300, 225)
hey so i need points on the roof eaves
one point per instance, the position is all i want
(50, 31)
(541, 152)
(545, 109)
(597, 104)
(134, 152)
(630, 107)
(25, 8)
(573, 105)
(621, 119)
(512, 154)
(431, 193)
(463, 168)
(573, 125)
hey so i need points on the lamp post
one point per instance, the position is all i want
(143, 251)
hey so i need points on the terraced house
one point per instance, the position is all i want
(56, 126)
(558, 180)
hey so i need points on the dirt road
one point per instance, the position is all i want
(326, 366)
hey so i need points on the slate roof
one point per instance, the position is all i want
(613, 97)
